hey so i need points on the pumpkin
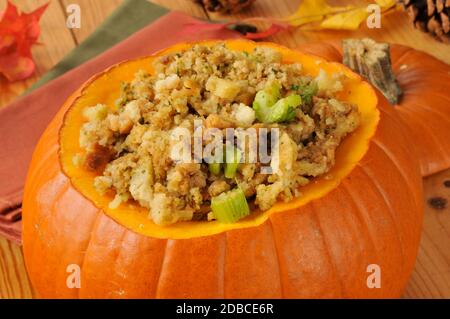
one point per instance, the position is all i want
(366, 214)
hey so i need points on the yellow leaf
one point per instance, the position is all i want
(312, 11)
(385, 4)
(346, 21)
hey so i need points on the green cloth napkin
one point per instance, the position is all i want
(114, 29)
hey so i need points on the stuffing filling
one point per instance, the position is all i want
(130, 145)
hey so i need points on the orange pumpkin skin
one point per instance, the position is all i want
(425, 104)
(320, 250)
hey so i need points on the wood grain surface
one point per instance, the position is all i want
(431, 278)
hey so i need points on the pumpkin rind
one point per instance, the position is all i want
(321, 249)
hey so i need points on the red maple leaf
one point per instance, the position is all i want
(18, 32)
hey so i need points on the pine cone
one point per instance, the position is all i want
(431, 16)
(225, 6)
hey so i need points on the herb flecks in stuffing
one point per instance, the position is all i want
(222, 89)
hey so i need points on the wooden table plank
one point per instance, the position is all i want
(14, 281)
(431, 278)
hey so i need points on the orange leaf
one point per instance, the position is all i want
(18, 32)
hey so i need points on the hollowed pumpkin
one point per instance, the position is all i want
(319, 245)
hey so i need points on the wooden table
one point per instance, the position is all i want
(431, 278)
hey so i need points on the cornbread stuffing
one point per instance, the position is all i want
(130, 145)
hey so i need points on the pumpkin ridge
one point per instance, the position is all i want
(330, 258)
(405, 55)
(44, 161)
(223, 235)
(425, 108)
(418, 82)
(223, 264)
(387, 203)
(399, 122)
(99, 212)
(88, 244)
(160, 268)
(437, 93)
(364, 242)
(163, 259)
(392, 115)
(364, 218)
(391, 157)
(430, 135)
(36, 243)
(116, 259)
(398, 60)
(269, 221)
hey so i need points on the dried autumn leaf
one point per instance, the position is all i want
(312, 11)
(316, 13)
(18, 33)
(350, 20)
(386, 4)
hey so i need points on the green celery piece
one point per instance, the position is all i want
(284, 109)
(274, 91)
(230, 206)
(231, 167)
(265, 99)
(269, 108)
(215, 168)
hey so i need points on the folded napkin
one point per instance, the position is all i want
(23, 121)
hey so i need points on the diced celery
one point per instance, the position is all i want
(284, 109)
(233, 158)
(265, 99)
(230, 206)
(215, 168)
(269, 108)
